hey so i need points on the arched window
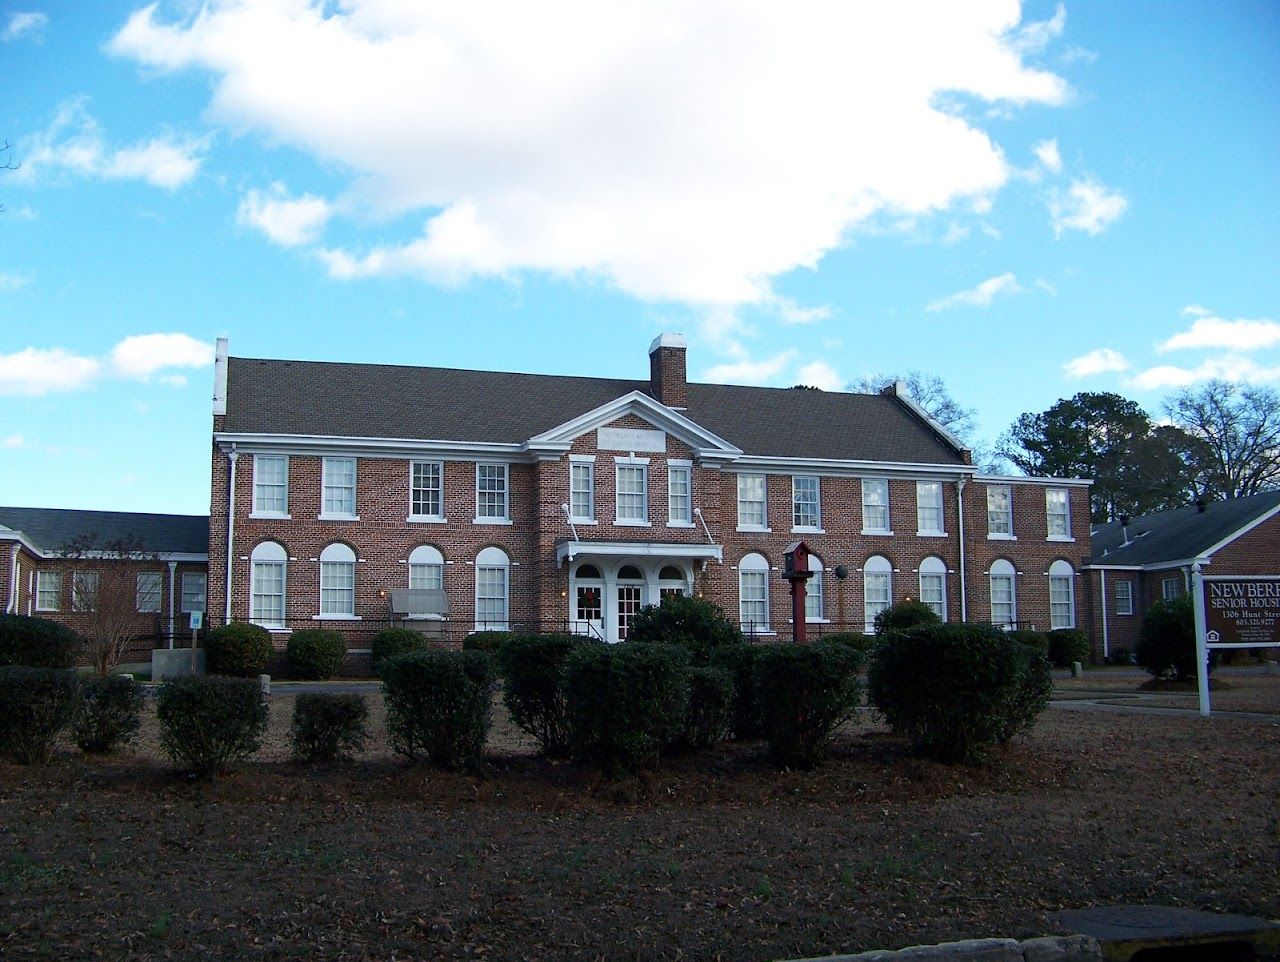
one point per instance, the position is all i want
(753, 594)
(338, 581)
(1004, 594)
(671, 581)
(813, 600)
(588, 571)
(1062, 595)
(426, 567)
(267, 583)
(933, 585)
(877, 589)
(492, 569)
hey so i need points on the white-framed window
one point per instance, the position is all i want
(877, 589)
(1004, 593)
(1124, 597)
(426, 491)
(1057, 510)
(929, 507)
(752, 511)
(338, 581)
(1171, 587)
(271, 485)
(268, 564)
(84, 590)
(339, 489)
(933, 585)
(813, 600)
(582, 490)
(999, 511)
(492, 570)
(48, 591)
(632, 494)
(1062, 595)
(148, 591)
(195, 586)
(679, 493)
(875, 506)
(426, 567)
(753, 594)
(493, 502)
(806, 502)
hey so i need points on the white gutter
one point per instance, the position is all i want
(964, 595)
(232, 455)
(1106, 646)
(11, 606)
(173, 573)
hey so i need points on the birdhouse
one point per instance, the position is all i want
(795, 563)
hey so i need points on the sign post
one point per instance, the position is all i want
(197, 622)
(1202, 650)
(1232, 611)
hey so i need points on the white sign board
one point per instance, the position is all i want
(631, 439)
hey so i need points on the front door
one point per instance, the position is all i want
(587, 612)
(630, 596)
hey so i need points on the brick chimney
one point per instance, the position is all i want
(668, 381)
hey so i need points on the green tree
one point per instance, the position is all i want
(1236, 430)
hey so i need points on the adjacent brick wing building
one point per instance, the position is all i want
(535, 502)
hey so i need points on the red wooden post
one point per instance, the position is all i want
(796, 570)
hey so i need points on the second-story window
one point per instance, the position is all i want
(633, 494)
(679, 494)
(1057, 511)
(270, 484)
(426, 490)
(752, 514)
(999, 511)
(875, 506)
(806, 503)
(492, 502)
(929, 507)
(339, 488)
(582, 485)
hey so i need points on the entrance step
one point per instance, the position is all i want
(1155, 933)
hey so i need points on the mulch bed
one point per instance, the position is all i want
(718, 857)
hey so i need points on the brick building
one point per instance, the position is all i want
(57, 561)
(536, 502)
(1147, 559)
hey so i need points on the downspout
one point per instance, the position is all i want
(964, 595)
(232, 455)
(11, 606)
(1106, 646)
(173, 573)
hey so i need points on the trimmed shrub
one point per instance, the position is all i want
(206, 724)
(1038, 640)
(739, 661)
(315, 653)
(239, 649)
(1167, 645)
(698, 625)
(710, 714)
(1067, 645)
(904, 615)
(856, 640)
(108, 713)
(532, 667)
(439, 705)
(805, 692)
(486, 641)
(625, 702)
(390, 642)
(36, 704)
(327, 724)
(37, 642)
(956, 690)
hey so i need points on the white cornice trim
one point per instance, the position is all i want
(1245, 529)
(1033, 479)
(900, 393)
(392, 447)
(142, 557)
(831, 467)
(637, 549)
(13, 534)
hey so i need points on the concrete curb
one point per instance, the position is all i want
(1068, 948)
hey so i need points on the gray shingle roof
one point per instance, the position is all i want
(332, 399)
(1178, 534)
(50, 529)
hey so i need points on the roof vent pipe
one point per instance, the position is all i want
(1124, 528)
(1200, 505)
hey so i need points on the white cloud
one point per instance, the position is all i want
(1047, 153)
(13, 282)
(142, 355)
(1217, 332)
(955, 233)
(1045, 286)
(1229, 367)
(35, 371)
(822, 375)
(680, 152)
(73, 143)
(789, 312)
(1038, 34)
(1087, 206)
(980, 296)
(1101, 361)
(13, 441)
(289, 222)
(1078, 55)
(22, 23)
(746, 371)
(1196, 310)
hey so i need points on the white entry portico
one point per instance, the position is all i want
(610, 581)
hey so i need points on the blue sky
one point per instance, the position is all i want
(1028, 201)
